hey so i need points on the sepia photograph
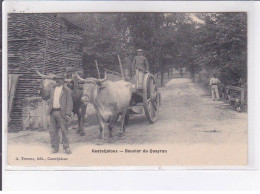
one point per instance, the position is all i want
(105, 89)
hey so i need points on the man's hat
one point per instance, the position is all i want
(139, 50)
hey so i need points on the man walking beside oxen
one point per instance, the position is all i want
(60, 109)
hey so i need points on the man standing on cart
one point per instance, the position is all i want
(141, 67)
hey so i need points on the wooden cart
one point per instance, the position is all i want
(148, 97)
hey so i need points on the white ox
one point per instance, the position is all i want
(109, 99)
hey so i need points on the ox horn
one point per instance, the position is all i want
(79, 78)
(97, 80)
(43, 76)
(91, 79)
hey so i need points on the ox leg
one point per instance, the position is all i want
(81, 122)
(126, 120)
(101, 128)
(122, 129)
(110, 127)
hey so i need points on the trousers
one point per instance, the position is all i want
(56, 121)
(214, 92)
(139, 76)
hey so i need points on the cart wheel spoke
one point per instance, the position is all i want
(155, 105)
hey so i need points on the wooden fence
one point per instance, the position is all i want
(232, 93)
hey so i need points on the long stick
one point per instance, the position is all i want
(97, 69)
(121, 68)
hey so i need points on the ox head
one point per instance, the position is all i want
(74, 82)
(91, 87)
(47, 84)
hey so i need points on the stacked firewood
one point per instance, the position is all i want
(39, 41)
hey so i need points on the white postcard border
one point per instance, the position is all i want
(253, 68)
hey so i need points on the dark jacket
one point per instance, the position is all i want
(141, 63)
(66, 103)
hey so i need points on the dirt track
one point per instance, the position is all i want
(187, 116)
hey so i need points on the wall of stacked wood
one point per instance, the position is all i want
(43, 41)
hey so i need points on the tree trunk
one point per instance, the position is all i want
(181, 72)
(193, 76)
(162, 77)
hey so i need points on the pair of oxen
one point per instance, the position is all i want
(110, 99)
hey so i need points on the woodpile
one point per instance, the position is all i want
(12, 84)
(42, 41)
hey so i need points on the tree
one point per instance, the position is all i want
(208, 42)
(222, 45)
(105, 36)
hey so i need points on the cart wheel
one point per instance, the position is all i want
(151, 98)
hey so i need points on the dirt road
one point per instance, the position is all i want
(192, 129)
(187, 116)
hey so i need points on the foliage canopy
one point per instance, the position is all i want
(202, 42)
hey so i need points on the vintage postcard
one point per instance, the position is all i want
(126, 88)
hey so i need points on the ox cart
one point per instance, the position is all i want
(147, 98)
